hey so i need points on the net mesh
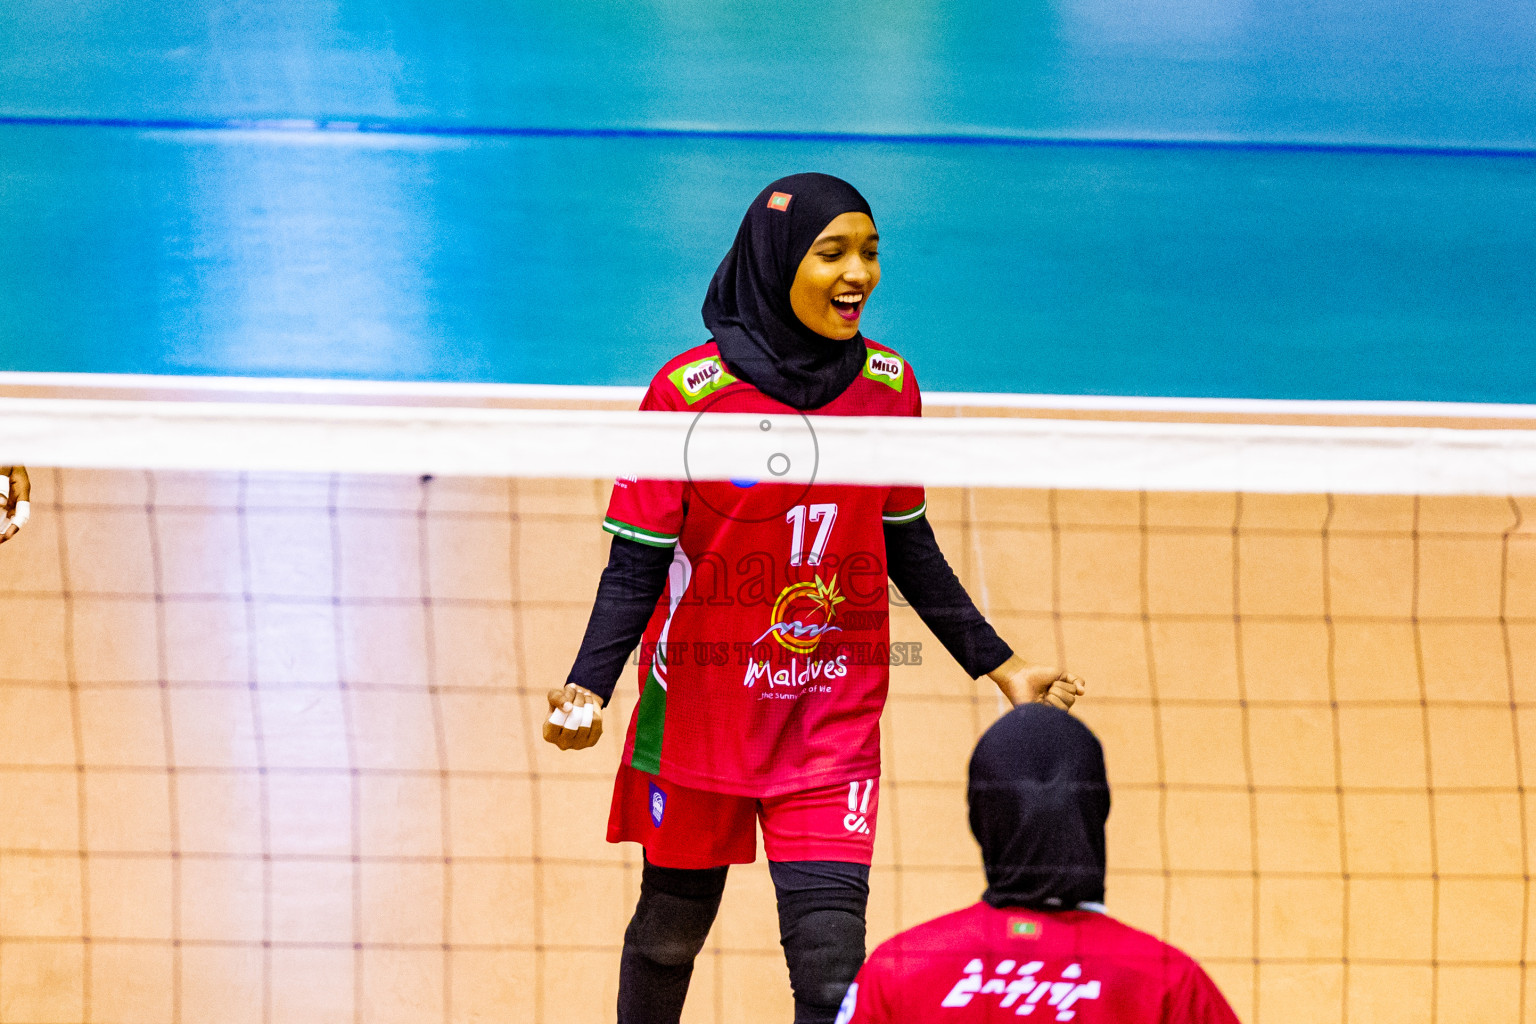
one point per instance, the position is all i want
(269, 750)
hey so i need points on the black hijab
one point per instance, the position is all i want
(747, 307)
(1039, 799)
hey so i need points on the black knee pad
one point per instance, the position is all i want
(821, 927)
(824, 949)
(674, 914)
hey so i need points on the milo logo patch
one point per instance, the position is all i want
(885, 368)
(701, 378)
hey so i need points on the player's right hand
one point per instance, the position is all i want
(575, 718)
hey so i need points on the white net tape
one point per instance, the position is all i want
(939, 451)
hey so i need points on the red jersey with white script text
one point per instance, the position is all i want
(765, 666)
(982, 965)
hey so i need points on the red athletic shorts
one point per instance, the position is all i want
(695, 828)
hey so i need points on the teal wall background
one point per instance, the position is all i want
(1324, 199)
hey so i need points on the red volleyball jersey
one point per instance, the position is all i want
(765, 666)
(982, 965)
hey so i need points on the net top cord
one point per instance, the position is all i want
(963, 440)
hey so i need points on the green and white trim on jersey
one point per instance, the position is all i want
(651, 713)
(650, 725)
(639, 534)
(910, 515)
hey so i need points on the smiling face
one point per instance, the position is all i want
(834, 280)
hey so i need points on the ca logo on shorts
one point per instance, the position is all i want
(658, 805)
(854, 820)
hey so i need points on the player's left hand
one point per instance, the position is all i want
(15, 500)
(575, 718)
(1024, 683)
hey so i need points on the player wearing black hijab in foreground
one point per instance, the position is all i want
(1039, 944)
(763, 611)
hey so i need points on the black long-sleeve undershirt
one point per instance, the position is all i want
(636, 576)
(627, 593)
(922, 574)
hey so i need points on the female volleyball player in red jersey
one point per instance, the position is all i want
(1039, 945)
(763, 611)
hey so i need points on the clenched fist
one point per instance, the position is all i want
(575, 718)
(1024, 683)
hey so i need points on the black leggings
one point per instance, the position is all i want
(821, 927)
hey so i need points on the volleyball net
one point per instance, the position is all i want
(274, 673)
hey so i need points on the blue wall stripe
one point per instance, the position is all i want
(750, 135)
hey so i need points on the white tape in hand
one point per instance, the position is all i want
(22, 514)
(574, 719)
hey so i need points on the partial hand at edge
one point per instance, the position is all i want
(15, 500)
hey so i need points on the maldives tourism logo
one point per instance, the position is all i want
(803, 615)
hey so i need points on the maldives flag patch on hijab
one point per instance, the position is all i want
(779, 201)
